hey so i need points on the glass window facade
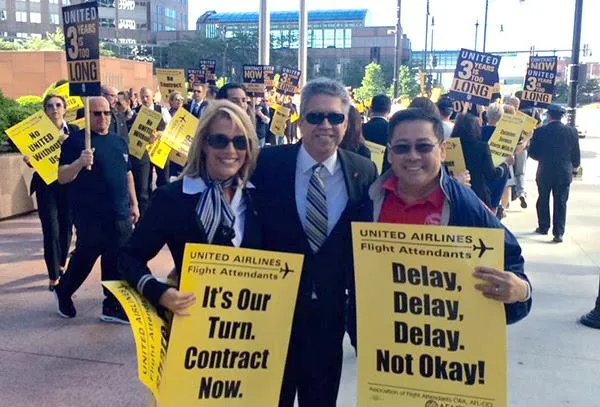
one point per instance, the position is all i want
(54, 18)
(21, 16)
(35, 18)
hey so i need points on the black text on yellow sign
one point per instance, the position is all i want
(231, 350)
(435, 333)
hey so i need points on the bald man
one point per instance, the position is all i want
(104, 204)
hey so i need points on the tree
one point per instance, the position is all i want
(352, 73)
(408, 87)
(372, 83)
(561, 93)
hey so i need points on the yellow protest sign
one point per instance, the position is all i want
(377, 154)
(37, 137)
(360, 107)
(505, 138)
(180, 131)
(73, 102)
(159, 153)
(79, 123)
(278, 123)
(170, 80)
(294, 118)
(275, 106)
(455, 159)
(435, 94)
(145, 123)
(150, 332)
(178, 158)
(231, 349)
(435, 336)
(529, 123)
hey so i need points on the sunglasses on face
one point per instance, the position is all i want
(55, 105)
(221, 141)
(333, 118)
(421, 148)
(100, 113)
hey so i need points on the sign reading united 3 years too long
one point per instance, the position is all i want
(475, 76)
(231, 349)
(435, 336)
(80, 25)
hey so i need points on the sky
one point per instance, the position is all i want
(545, 24)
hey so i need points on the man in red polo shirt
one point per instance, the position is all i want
(417, 190)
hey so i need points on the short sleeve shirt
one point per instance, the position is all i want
(425, 211)
(100, 194)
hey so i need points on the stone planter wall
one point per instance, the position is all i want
(15, 178)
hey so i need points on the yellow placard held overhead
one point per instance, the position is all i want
(279, 121)
(38, 138)
(455, 159)
(377, 154)
(180, 131)
(170, 80)
(144, 125)
(231, 350)
(435, 94)
(150, 333)
(159, 153)
(436, 340)
(505, 138)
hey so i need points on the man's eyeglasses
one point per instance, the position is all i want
(221, 141)
(100, 113)
(55, 105)
(333, 118)
(421, 148)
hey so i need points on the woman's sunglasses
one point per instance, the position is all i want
(421, 148)
(221, 141)
(333, 118)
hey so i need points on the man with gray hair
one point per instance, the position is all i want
(309, 193)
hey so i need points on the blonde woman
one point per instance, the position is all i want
(210, 203)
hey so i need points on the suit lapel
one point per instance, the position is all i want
(351, 175)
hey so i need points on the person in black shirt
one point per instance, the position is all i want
(556, 147)
(102, 197)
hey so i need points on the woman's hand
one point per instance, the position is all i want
(177, 301)
(502, 286)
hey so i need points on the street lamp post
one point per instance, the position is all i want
(302, 44)
(397, 48)
(426, 33)
(263, 33)
(476, 32)
(574, 74)
(485, 24)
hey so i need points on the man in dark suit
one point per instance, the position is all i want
(376, 129)
(308, 194)
(194, 105)
(556, 147)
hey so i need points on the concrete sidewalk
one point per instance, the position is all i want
(553, 361)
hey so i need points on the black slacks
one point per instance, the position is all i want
(560, 195)
(314, 362)
(57, 225)
(96, 239)
(141, 171)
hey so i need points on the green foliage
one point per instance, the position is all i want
(561, 93)
(373, 83)
(408, 87)
(352, 73)
(10, 45)
(12, 113)
(29, 99)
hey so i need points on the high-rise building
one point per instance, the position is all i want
(121, 21)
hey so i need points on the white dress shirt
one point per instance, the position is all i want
(192, 186)
(333, 180)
